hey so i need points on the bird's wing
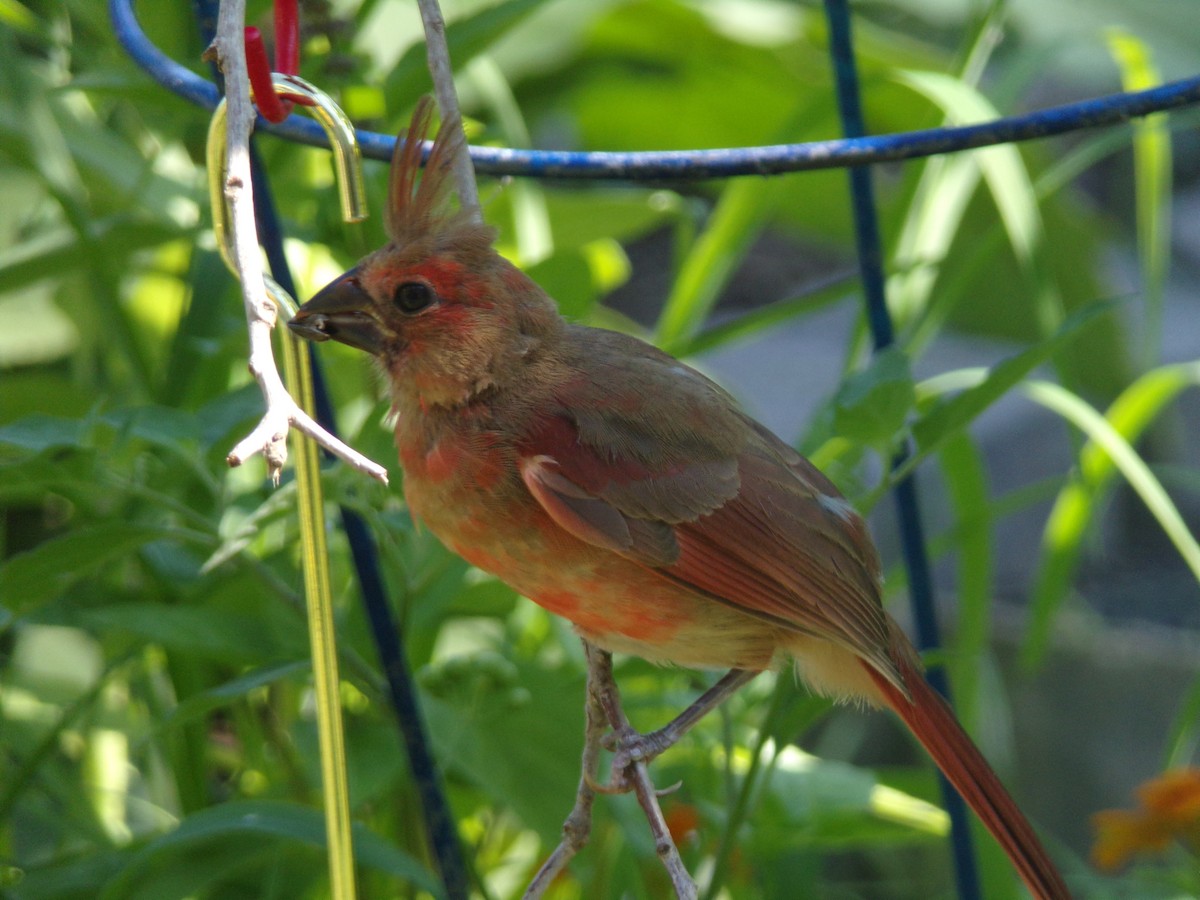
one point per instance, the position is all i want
(720, 506)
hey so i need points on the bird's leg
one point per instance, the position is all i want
(631, 747)
(633, 776)
(602, 691)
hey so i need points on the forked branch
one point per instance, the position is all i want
(269, 437)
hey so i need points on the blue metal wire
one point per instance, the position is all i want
(908, 510)
(685, 165)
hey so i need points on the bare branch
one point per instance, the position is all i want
(604, 702)
(637, 776)
(578, 826)
(442, 73)
(270, 435)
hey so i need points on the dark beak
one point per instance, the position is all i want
(339, 312)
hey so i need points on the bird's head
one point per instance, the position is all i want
(445, 314)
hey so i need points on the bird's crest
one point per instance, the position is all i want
(416, 206)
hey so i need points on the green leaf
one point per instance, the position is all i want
(583, 215)
(740, 214)
(833, 803)
(872, 406)
(40, 432)
(951, 416)
(498, 736)
(485, 596)
(43, 391)
(764, 318)
(466, 37)
(27, 481)
(53, 253)
(1185, 730)
(221, 696)
(241, 827)
(567, 277)
(209, 632)
(43, 573)
(1073, 513)
(46, 333)
(1008, 181)
(72, 877)
(16, 15)
(965, 474)
(1152, 184)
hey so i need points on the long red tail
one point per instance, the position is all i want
(934, 724)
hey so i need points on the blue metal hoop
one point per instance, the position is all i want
(687, 165)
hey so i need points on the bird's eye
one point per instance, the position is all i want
(411, 297)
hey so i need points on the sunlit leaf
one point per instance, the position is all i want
(737, 219)
(241, 828)
(1152, 184)
(467, 37)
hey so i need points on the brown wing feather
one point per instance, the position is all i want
(783, 550)
(759, 530)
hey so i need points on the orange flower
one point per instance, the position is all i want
(683, 821)
(1123, 834)
(1173, 796)
(1169, 809)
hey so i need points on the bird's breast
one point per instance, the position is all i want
(468, 491)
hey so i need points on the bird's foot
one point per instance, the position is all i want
(631, 748)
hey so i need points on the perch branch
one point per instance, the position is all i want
(578, 826)
(637, 775)
(269, 437)
(604, 702)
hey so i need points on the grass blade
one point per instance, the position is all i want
(1109, 448)
(739, 216)
(1152, 185)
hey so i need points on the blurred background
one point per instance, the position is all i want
(155, 707)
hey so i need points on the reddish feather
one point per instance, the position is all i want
(773, 549)
(932, 721)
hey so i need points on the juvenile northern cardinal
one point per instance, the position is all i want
(621, 489)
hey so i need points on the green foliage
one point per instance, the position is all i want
(155, 691)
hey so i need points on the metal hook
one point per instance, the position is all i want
(346, 156)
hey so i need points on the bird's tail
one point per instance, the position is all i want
(933, 722)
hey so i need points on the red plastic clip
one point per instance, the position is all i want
(273, 109)
(287, 37)
(287, 61)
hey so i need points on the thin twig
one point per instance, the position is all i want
(635, 776)
(438, 55)
(269, 437)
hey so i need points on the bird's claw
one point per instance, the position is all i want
(618, 783)
(629, 748)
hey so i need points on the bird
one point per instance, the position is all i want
(622, 489)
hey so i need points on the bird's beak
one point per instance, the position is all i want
(340, 312)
